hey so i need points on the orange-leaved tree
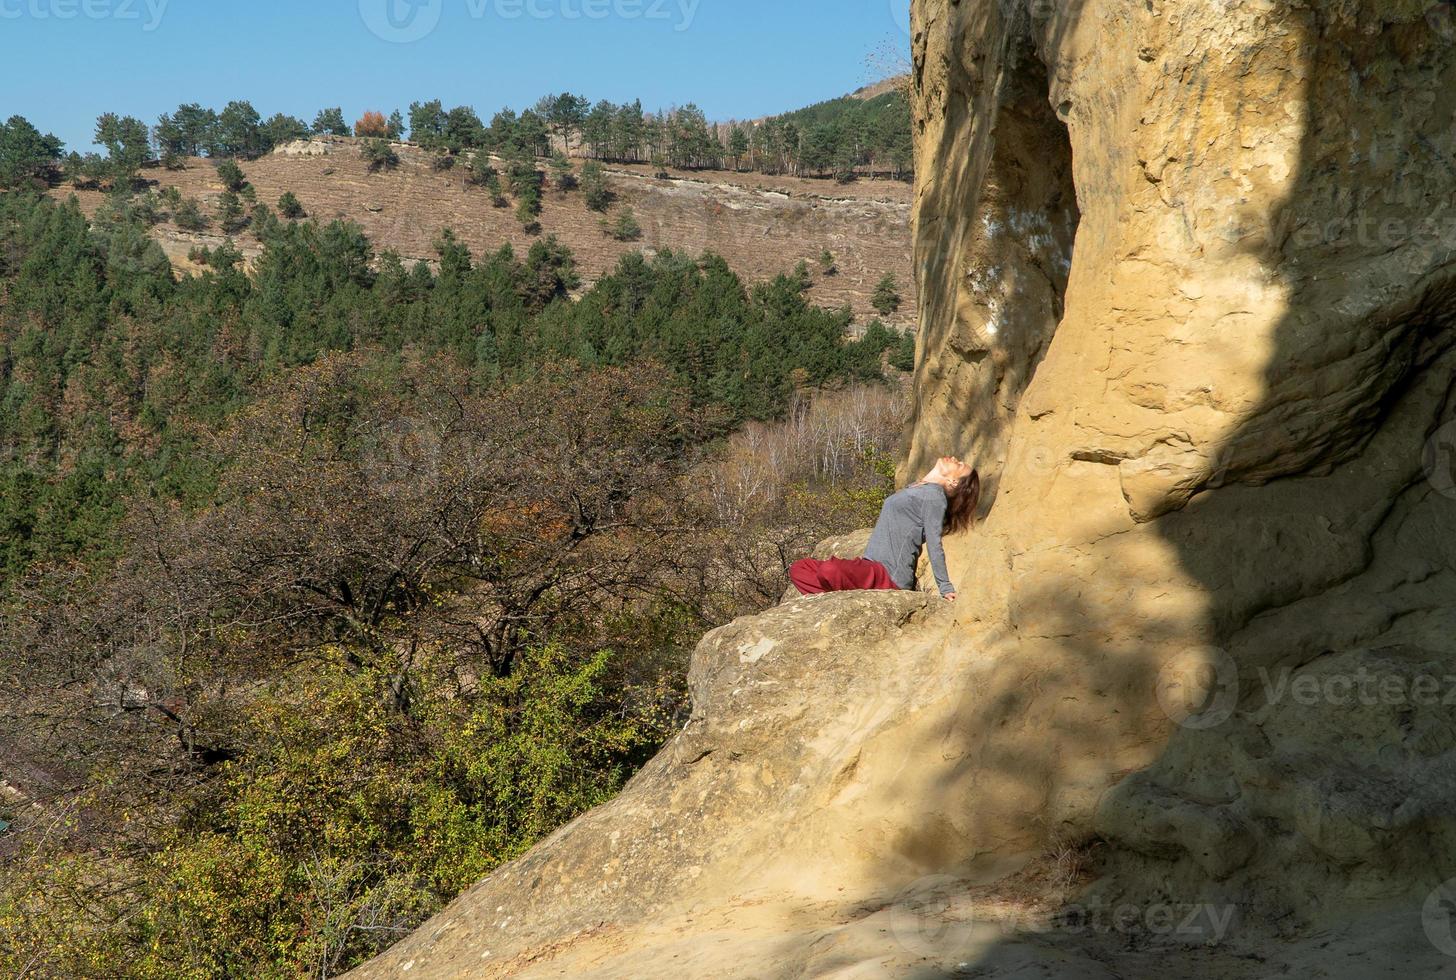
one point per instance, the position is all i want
(372, 124)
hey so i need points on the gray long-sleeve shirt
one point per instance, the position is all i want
(909, 518)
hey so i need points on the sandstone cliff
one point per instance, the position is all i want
(1188, 276)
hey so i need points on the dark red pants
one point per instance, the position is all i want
(812, 576)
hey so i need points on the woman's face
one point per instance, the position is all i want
(953, 468)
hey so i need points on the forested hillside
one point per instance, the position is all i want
(330, 585)
(842, 138)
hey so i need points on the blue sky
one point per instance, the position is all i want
(64, 62)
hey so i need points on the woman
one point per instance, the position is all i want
(943, 503)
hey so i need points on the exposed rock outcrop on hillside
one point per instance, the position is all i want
(1188, 280)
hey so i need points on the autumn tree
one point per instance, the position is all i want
(373, 125)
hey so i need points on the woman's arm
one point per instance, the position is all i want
(934, 522)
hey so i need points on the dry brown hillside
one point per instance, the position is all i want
(761, 225)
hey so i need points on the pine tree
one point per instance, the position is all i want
(25, 155)
(128, 144)
(801, 278)
(463, 129)
(626, 228)
(281, 129)
(562, 172)
(427, 122)
(737, 145)
(240, 131)
(594, 186)
(596, 131)
(379, 155)
(232, 176)
(230, 215)
(330, 122)
(263, 222)
(886, 299)
(628, 131)
(290, 207)
(191, 131)
(528, 209)
(902, 356)
(189, 217)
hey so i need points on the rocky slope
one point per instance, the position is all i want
(1188, 279)
(762, 225)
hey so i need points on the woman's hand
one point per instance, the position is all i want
(950, 597)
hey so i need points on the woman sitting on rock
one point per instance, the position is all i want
(943, 503)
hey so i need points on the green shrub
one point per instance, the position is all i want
(379, 155)
(594, 186)
(232, 176)
(886, 299)
(290, 207)
(230, 214)
(626, 228)
(189, 217)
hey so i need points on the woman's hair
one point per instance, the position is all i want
(961, 504)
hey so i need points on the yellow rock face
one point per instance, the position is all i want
(1188, 287)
